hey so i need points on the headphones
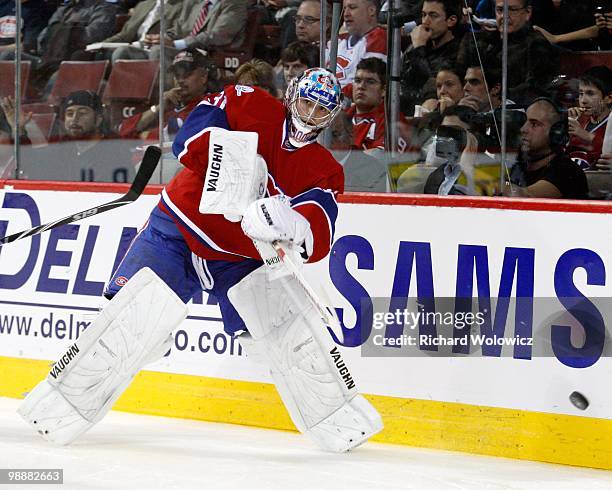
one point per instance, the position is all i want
(558, 135)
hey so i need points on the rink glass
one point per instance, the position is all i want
(401, 164)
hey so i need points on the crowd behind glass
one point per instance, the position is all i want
(96, 76)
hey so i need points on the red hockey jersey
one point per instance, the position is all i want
(579, 149)
(352, 50)
(309, 175)
(368, 127)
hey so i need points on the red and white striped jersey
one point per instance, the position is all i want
(351, 51)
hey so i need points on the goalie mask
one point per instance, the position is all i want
(313, 100)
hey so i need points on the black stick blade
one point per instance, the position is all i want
(147, 167)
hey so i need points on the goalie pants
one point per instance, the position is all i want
(161, 247)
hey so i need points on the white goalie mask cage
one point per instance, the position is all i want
(321, 87)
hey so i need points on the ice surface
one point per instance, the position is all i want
(128, 451)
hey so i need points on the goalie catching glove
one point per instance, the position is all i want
(272, 219)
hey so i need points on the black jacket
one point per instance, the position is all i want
(532, 61)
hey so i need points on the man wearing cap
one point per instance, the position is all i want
(84, 151)
(192, 72)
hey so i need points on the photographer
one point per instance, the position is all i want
(455, 143)
(544, 170)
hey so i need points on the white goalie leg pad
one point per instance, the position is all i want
(130, 332)
(306, 365)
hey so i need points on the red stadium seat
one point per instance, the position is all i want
(132, 79)
(78, 75)
(576, 63)
(7, 78)
(45, 122)
(232, 59)
(130, 88)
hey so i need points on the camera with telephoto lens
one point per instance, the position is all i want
(489, 125)
(450, 142)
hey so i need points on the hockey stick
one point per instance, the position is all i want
(147, 167)
(328, 315)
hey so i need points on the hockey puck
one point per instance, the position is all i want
(579, 400)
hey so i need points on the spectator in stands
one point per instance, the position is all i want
(192, 72)
(482, 91)
(588, 122)
(433, 44)
(368, 109)
(296, 58)
(143, 26)
(72, 27)
(544, 170)
(363, 39)
(86, 150)
(308, 21)
(209, 24)
(362, 172)
(258, 73)
(35, 15)
(443, 92)
(449, 90)
(532, 60)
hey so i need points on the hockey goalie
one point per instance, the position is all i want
(256, 199)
